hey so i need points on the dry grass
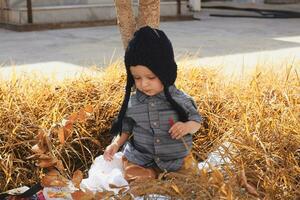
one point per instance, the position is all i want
(259, 115)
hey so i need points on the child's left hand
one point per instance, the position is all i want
(179, 129)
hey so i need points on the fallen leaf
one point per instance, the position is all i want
(251, 189)
(68, 129)
(77, 178)
(54, 180)
(45, 157)
(61, 135)
(59, 165)
(113, 186)
(123, 190)
(242, 178)
(37, 149)
(41, 134)
(52, 194)
(88, 109)
(104, 195)
(96, 142)
(73, 117)
(47, 163)
(81, 115)
(80, 195)
(53, 172)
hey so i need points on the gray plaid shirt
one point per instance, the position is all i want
(148, 119)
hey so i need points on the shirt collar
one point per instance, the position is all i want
(143, 97)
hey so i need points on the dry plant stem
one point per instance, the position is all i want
(149, 13)
(258, 116)
(126, 21)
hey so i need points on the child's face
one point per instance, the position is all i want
(146, 81)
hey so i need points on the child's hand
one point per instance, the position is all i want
(110, 151)
(179, 129)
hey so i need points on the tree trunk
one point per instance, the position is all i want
(125, 19)
(149, 14)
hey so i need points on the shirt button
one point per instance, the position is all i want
(157, 140)
(157, 159)
(155, 123)
(152, 104)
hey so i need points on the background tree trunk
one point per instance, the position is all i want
(149, 14)
(125, 19)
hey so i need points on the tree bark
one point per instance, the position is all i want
(149, 14)
(125, 19)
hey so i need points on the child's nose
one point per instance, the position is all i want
(145, 83)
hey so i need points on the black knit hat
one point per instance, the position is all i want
(151, 48)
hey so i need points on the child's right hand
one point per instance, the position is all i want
(110, 151)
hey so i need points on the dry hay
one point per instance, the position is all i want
(259, 116)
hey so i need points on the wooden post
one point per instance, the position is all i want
(29, 12)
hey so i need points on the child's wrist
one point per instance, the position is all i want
(116, 144)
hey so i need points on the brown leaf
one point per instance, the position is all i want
(59, 165)
(47, 163)
(52, 194)
(81, 115)
(88, 109)
(127, 197)
(61, 135)
(53, 172)
(73, 117)
(104, 195)
(242, 178)
(77, 178)
(113, 186)
(123, 190)
(41, 134)
(45, 157)
(68, 129)
(96, 142)
(54, 179)
(251, 189)
(37, 149)
(80, 195)
(44, 143)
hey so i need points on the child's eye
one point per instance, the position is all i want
(152, 77)
(136, 78)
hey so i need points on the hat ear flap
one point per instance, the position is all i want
(183, 117)
(117, 124)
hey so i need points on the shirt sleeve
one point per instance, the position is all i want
(128, 122)
(127, 125)
(191, 109)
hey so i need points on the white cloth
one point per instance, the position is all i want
(102, 173)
